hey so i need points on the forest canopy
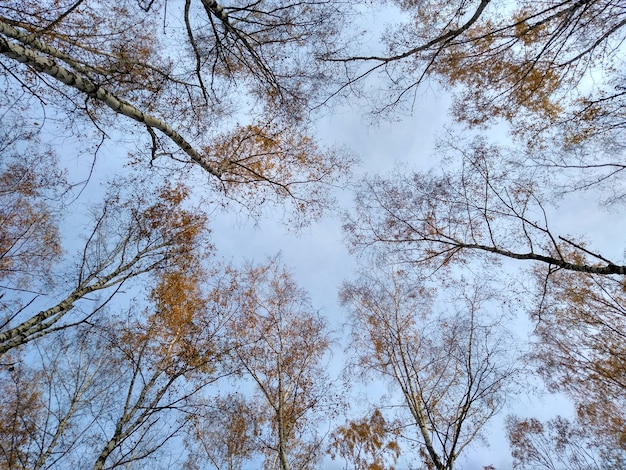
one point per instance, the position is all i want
(129, 339)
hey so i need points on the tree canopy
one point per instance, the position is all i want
(127, 339)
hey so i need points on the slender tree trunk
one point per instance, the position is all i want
(280, 421)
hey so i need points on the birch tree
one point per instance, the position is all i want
(21, 410)
(224, 434)
(170, 353)
(525, 62)
(183, 75)
(549, 70)
(559, 443)
(68, 386)
(477, 207)
(578, 349)
(450, 370)
(113, 392)
(482, 213)
(280, 344)
(367, 444)
(30, 178)
(127, 239)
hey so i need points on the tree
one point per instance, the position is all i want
(367, 444)
(486, 211)
(280, 343)
(450, 369)
(128, 238)
(70, 385)
(526, 62)
(29, 238)
(225, 435)
(170, 353)
(579, 349)
(21, 408)
(225, 88)
(114, 391)
(548, 69)
(254, 61)
(480, 208)
(558, 444)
